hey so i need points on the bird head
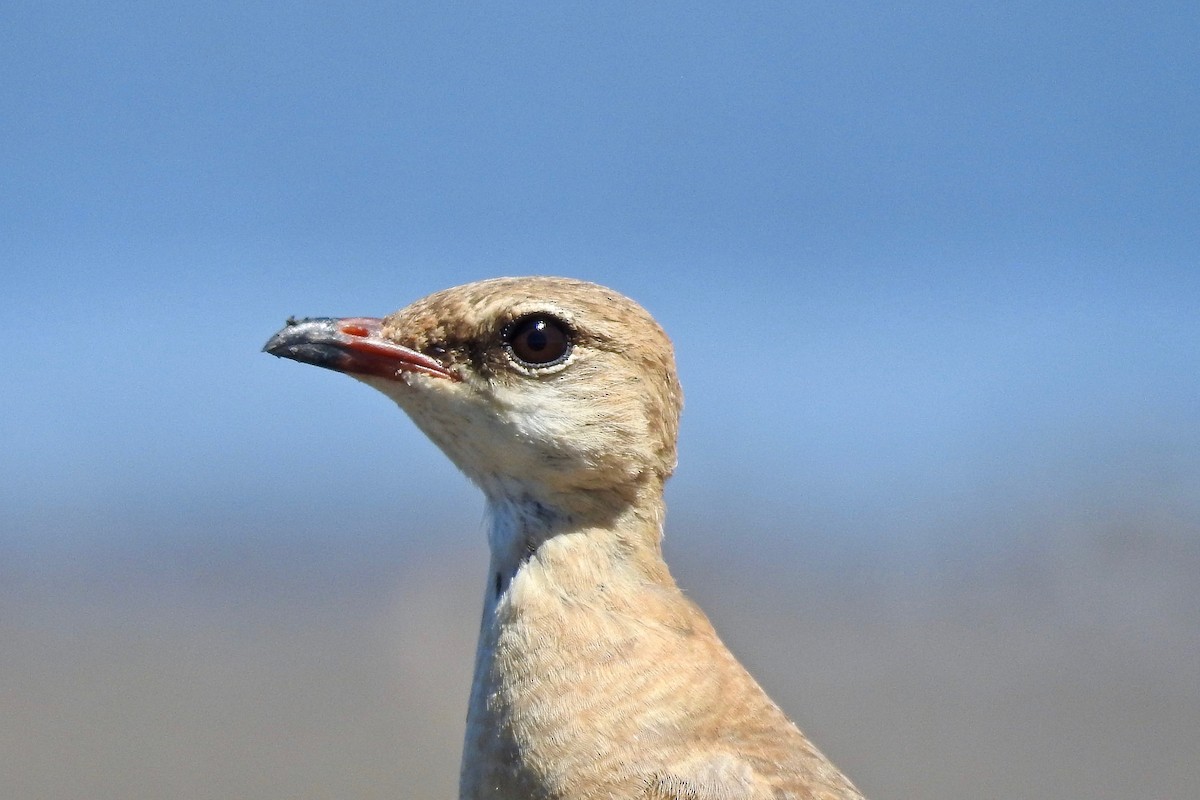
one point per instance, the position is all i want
(538, 387)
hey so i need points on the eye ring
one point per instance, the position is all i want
(538, 340)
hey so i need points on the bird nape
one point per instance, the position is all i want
(595, 677)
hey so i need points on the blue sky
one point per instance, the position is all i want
(944, 256)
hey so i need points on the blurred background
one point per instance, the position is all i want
(933, 279)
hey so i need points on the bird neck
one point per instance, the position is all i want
(619, 528)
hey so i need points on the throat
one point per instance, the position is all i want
(517, 527)
(524, 528)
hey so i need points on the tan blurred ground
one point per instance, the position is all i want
(1062, 666)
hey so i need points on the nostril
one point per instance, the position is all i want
(355, 330)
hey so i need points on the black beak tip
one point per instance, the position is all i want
(309, 341)
(302, 336)
(277, 345)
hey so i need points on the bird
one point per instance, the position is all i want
(595, 676)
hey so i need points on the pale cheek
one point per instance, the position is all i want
(452, 417)
(543, 416)
(544, 432)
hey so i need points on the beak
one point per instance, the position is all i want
(354, 345)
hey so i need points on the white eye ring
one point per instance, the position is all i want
(538, 341)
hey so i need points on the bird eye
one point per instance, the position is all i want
(538, 340)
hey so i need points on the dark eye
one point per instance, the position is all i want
(538, 340)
